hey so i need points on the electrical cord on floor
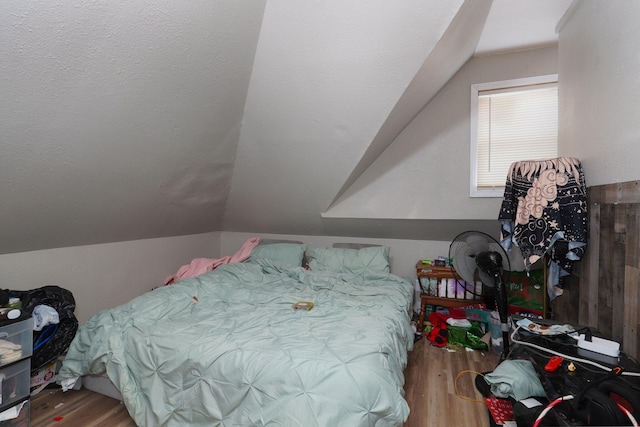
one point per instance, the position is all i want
(455, 385)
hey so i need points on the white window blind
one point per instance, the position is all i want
(513, 123)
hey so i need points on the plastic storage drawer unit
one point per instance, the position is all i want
(14, 380)
(16, 341)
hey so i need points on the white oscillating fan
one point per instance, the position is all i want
(476, 255)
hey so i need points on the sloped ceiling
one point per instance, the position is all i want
(119, 120)
(321, 89)
(140, 119)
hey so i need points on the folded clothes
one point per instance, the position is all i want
(4, 344)
(9, 352)
(516, 379)
(11, 357)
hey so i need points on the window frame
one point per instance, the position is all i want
(476, 88)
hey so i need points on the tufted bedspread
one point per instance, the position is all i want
(227, 349)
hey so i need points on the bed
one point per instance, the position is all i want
(227, 348)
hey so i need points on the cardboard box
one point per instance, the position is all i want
(44, 376)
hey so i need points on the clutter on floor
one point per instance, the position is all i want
(548, 378)
(51, 309)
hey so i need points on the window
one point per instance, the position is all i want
(511, 120)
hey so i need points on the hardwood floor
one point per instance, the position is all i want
(430, 387)
(81, 408)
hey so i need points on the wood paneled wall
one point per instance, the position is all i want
(604, 290)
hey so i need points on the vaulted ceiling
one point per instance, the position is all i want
(140, 119)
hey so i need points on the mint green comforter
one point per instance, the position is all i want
(226, 349)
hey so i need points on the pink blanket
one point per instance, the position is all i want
(203, 265)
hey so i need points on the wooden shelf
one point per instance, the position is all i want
(439, 273)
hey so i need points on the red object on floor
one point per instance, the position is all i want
(501, 409)
(438, 333)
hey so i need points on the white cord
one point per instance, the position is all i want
(575, 359)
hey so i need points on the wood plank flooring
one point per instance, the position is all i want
(81, 408)
(432, 376)
(430, 385)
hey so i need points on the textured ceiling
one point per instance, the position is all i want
(119, 120)
(142, 119)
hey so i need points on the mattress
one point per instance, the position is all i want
(226, 348)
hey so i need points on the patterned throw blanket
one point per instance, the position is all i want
(544, 212)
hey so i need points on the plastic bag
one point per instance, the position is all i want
(50, 342)
(467, 337)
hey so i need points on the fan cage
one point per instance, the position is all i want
(462, 260)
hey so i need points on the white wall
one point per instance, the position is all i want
(425, 171)
(599, 86)
(326, 75)
(106, 275)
